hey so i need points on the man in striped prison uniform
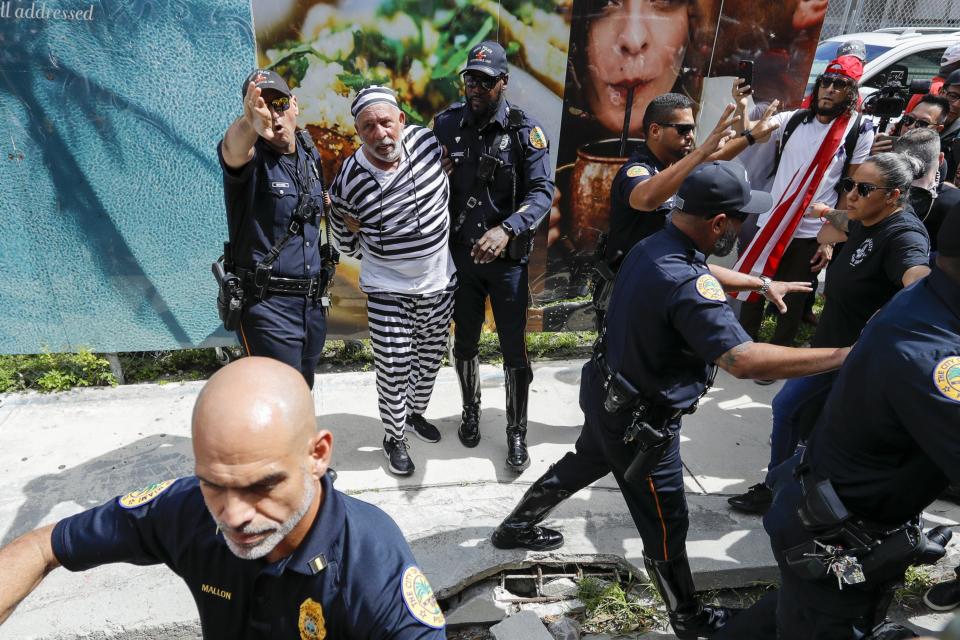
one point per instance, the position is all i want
(390, 208)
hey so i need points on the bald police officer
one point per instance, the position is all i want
(668, 323)
(500, 190)
(266, 545)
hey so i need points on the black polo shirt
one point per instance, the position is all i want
(867, 272)
(353, 576)
(628, 226)
(889, 437)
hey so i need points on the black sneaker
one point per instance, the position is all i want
(424, 430)
(396, 452)
(764, 382)
(757, 499)
(944, 596)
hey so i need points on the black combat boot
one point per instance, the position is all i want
(520, 528)
(468, 372)
(518, 391)
(689, 618)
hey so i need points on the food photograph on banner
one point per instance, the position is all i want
(621, 56)
(328, 51)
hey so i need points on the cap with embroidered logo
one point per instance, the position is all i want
(265, 79)
(488, 57)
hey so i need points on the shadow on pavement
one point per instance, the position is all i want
(93, 482)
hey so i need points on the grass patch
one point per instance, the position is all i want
(612, 607)
(804, 334)
(47, 372)
(916, 581)
(168, 366)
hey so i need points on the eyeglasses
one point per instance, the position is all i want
(863, 188)
(683, 129)
(484, 82)
(910, 121)
(839, 82)
(952, 96)
(280, 104)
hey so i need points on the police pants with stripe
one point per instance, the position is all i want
(291, 329)
(657, 503)
(409, 338)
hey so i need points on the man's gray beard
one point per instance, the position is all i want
(270, 543)
(393, 157)
(725, 243)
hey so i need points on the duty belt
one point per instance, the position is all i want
(658, 412)
(308, 287)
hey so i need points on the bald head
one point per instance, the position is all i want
(254, 399)
(259, 456)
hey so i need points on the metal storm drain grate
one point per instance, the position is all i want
(549, 583)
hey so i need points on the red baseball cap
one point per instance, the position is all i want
(847, 66)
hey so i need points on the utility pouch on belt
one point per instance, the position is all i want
(651, 443)
(229, 295)
(520, 245)
(620, 393)
(821, 509)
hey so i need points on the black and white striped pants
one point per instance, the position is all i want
(409, 337)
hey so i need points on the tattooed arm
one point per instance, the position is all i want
(769, 361)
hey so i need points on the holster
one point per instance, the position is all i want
(520, 246)
(230, 296)
(650, 441)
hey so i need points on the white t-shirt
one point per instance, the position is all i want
(407, 276)
(797, 156)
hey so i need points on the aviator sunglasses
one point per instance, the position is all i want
(280, 104)
(682, 129)
(863, 188)
(484, 82)
(839, 82)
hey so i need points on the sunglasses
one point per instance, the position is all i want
(484, 82)
(280, 104)
(863, 188)
(838, 82)
(682, 129)
(910, 121)
(952, 96)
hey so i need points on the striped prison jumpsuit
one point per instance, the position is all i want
(406, 268)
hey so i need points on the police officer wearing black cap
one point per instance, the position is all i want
(845, 520)
(268, 548)
(667, 326)
(499, 166)
(274, 197)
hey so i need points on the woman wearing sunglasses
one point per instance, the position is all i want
(886, 249)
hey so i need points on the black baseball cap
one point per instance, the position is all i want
(266, 79)
(721, 187)
(953, 78)
(488, 57)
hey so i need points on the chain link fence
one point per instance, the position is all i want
(851, 16)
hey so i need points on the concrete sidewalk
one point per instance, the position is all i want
(63, 453)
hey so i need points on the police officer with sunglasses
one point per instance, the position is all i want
(274, 197)
(498, 160)
(644, 188)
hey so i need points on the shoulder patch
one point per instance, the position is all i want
(141, 497)
(946, 375)
(636, 171)
(709, 288)
(537, 138)
(311, 623)
(419, 598)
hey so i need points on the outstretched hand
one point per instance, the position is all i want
(257, 113)
(778, 290)
(722, 131)
(766, 125)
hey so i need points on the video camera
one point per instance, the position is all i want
(889, 101)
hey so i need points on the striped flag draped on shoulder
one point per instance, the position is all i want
(406, 216)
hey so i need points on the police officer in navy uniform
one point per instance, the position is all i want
(499, 165)
(273, 191)
(885, 447)
(668, 323)
(642, 193)
(267, 546)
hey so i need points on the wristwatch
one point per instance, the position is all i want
(748, 134)
(506, 227)
(764, 285)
